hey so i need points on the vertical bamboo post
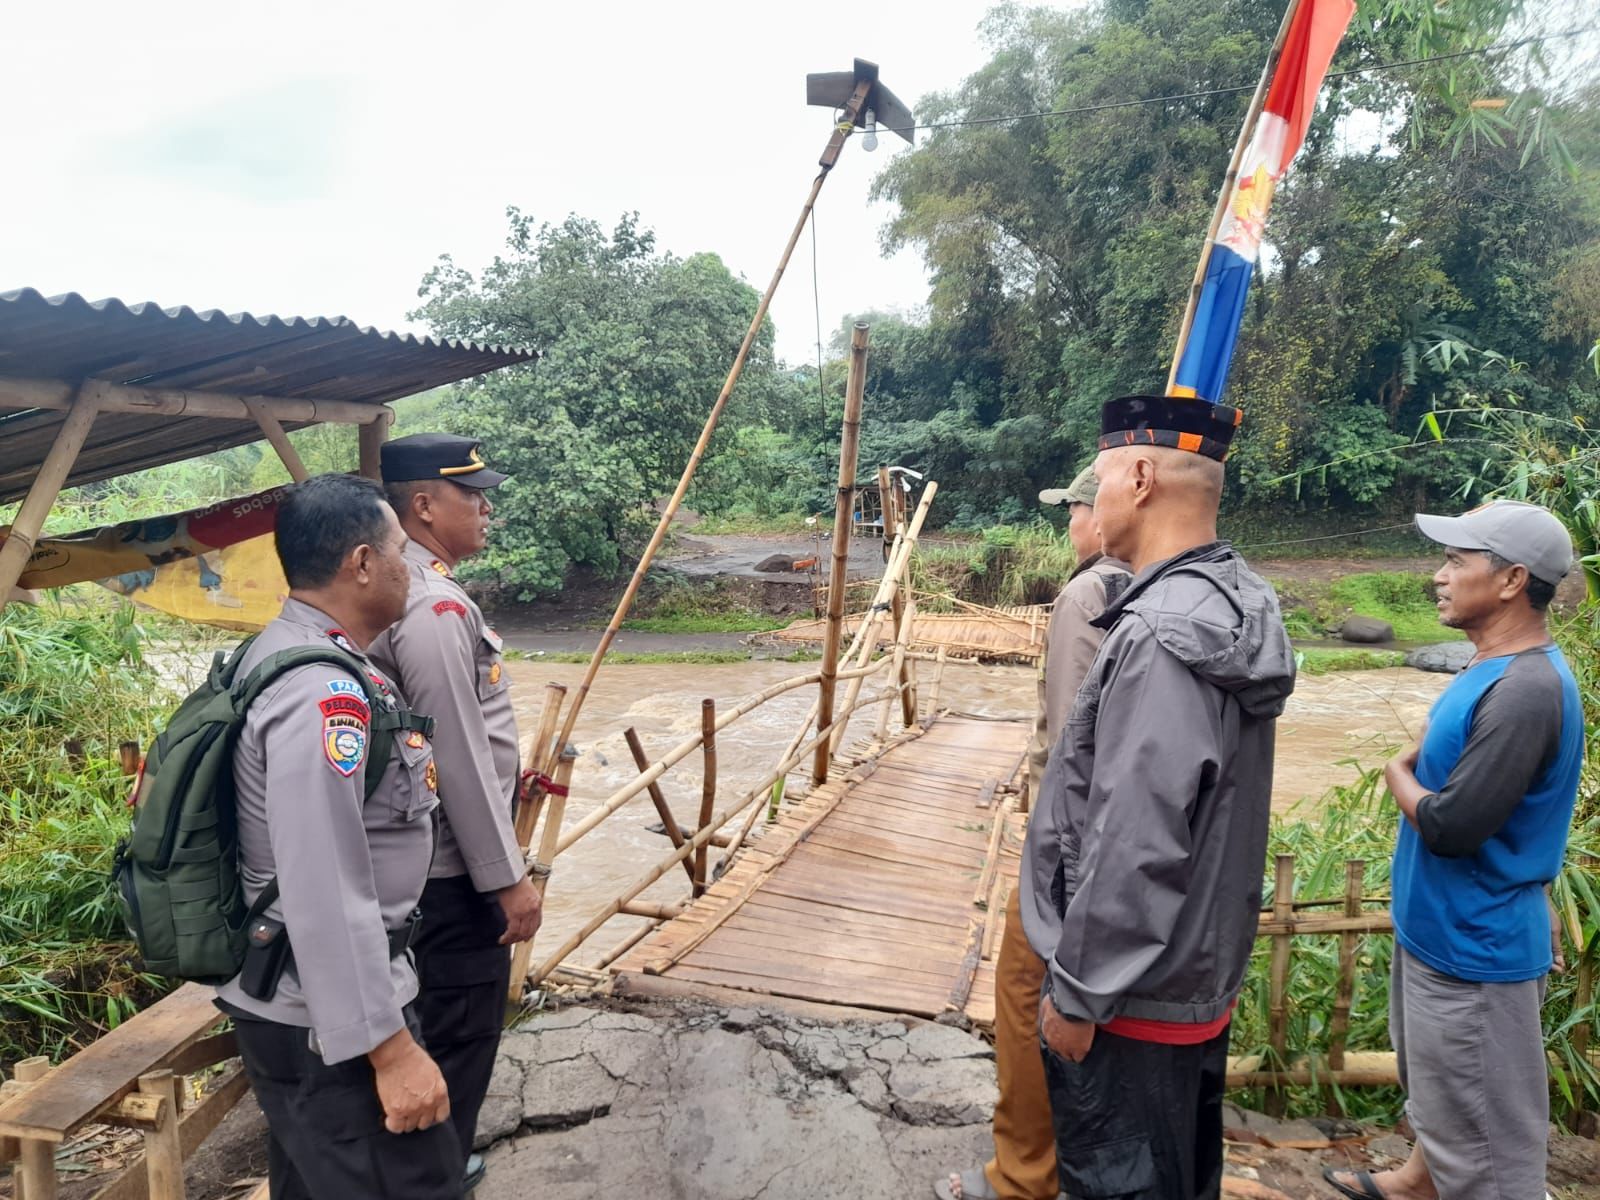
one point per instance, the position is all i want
(1580, 1032)
(657, 797)
(531, 798)
(541, 867)
(895, 512)
(938, 680)
(163, 1149)
(1246, 135)
(849, 439)
(1278, 1011)
(369, 441)
(36, 1160)
(1355, 873)
(708, 788)
(899, 561)
(42, 492)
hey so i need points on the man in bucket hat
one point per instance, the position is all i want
(1487, 794)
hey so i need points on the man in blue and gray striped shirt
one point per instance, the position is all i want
(1487, 795)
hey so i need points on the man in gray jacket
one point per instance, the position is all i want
(1160, 787)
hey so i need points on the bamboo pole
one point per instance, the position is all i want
(1355, 871)
(530, 799)
(279, 440)
(708, 789)
(163, 1147)
(668, 821)
(42, 493)
(36, 1160)
(1278, 1007)
(906, 544)
(939, 660)
(369, 444)
(1246, 135)
(626, 944)
(682, 751)
(557, 789)
(842, 126)
(57, 396)
(655, 911)
(718, 819)
(844, 500)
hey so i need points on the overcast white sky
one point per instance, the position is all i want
(315, 158)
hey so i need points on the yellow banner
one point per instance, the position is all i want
(216, 565)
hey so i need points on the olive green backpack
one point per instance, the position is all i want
(176, 874)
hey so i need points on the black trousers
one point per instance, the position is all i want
(464, 975)
(327, 1138)
(1139, 1119)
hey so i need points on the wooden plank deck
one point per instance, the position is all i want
(866, 892)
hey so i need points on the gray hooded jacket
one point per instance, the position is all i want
(1160, 790)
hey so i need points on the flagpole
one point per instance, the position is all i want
(1246, 134)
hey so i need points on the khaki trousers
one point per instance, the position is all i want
(1024, 1162)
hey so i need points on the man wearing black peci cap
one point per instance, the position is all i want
(446, 659)
(1145, 905)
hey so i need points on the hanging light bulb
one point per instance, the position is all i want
(870, 142)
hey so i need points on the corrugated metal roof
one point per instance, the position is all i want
(324, 358)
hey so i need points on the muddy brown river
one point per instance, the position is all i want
(1330, 720)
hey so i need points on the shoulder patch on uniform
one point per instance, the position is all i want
(431, 776)
(450, 606)
(440, 567)
(342, 640)
(344, 743)
(415, 740)
(346, 706)
(494, 673)
(346, 687)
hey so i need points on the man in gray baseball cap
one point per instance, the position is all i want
(1487, 793)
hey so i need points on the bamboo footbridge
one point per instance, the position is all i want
(880, 890)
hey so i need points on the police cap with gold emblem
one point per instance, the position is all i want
(438, 456)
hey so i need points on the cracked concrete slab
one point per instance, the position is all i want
(749, 1104)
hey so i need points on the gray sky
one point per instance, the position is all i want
(315, 158)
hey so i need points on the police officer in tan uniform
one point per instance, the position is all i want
(446, 660)
(330, 1040)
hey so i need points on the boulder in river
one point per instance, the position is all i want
(1366, 631)
(1445, 658)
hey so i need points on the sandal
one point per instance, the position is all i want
(1364, 1188)
(968, 1185)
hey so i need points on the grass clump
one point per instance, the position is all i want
(747, 523)
(1008, 565)
(1318, 661)
(1404, 599)
(680, 605)
(73, 685)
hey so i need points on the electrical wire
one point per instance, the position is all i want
(1247, 87)
(1327, 537)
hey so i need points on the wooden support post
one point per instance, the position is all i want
(36, 1160)
(531, 796)
(370, 441)
(1278, 1001)
(938, 680)
(1355, 871)
(541, 867)
(46, 486)
(708, 788)
(844, 502)
(273, 429)
(668, 821)
(163, 1150)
